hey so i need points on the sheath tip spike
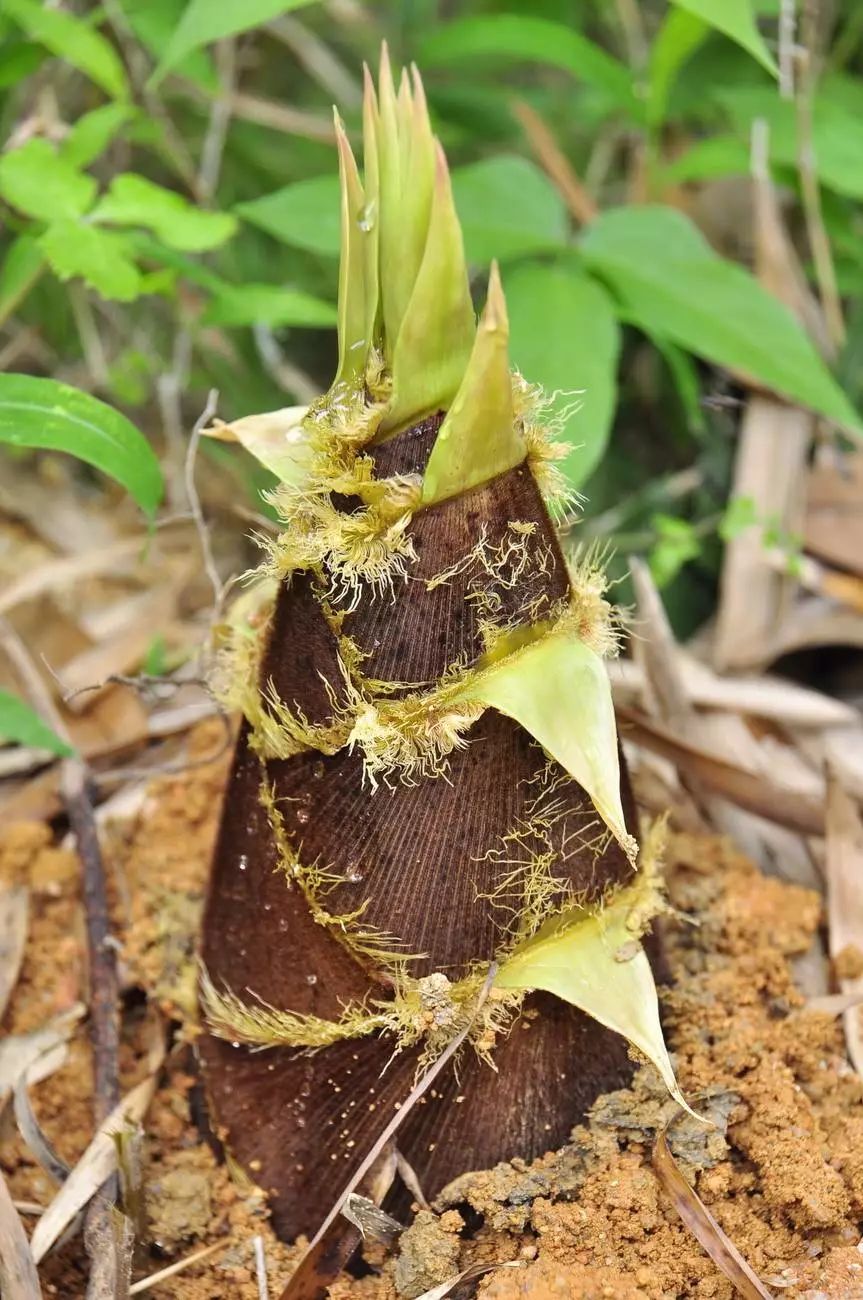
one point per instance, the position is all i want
(478, 439)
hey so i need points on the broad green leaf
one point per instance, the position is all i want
(718, 155)
(275, 438)
(734, 18)
(267, 304)
(73, 40)
(678, 38)
(507, 208)
(56, 417)
(593, 959)
(40, 182)
(564, 335)
(669, 279)
(154, 23)
(478, 438)
(135, 201)
(523, 38)
(305, 215)
(22, 266)
(204, 21)
(18, 59)
(100, 257)
(92, 133)
(837, 133)
(557, 688)
(21, 725)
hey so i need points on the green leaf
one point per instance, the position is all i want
(266, 304)
(21, 269)
(92, 133)
(56, 417)
(135, 201)
(436, 335)
(508, 208)
(38, 181)
(669, 279)
(678, 38)
(593, 959)
(204, 21)
(305, 215)
(73, 40)
(154, 23)
(20, 724)
(677, 543)
(100, 257)
(734, 18)
(564, 335)
(837, 133)
(18, 59)
(718, 155)
(522, 38)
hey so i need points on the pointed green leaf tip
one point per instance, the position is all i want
(592, 958)
(558, 690)
(403, 283)
(353, 340)
(478, 438)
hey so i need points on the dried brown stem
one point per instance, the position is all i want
(572, 190)
(807, 167)
(102, 957)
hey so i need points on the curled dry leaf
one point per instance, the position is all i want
(37, 1142)
(14, 911)
(18, 1277)
(96, 1164)
(275, 439)
(702, 1224)
(844, 860)
(446, 1288)
(792, 808)
(372, 1221)
(36, 1056)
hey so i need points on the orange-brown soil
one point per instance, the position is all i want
(781, 1168)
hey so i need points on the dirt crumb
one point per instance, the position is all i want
(428, 1252)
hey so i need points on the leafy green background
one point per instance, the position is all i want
(168, 187)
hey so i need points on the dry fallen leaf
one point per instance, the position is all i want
(14, 911)
(845, 900)
(36, 1055)
(702, 1224)
(467, 1275)
(96, 1164)
(792, 808)
(18, 1277)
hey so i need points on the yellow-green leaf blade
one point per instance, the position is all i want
(478, 438)
(557, 688)
(592, 959)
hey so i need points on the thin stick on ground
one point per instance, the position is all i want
(195, 501)
(101, 954)
(702, 1224)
